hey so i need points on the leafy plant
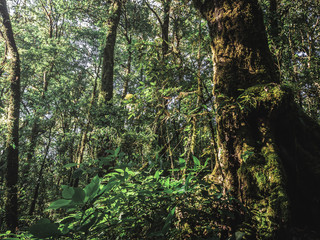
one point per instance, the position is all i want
(128, 204)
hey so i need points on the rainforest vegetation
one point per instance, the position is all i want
(159, 119)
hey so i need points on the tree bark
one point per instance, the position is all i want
(268, 151)
(12, 143)
(165, 27)
(106, 87)
(127, 77)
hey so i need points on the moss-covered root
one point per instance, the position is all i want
(262, 188)
(257, 162)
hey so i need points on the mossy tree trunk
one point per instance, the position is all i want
(12, 143)
(106, 86)
(268, 148)
(164, 22)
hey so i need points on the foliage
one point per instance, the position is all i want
(127, 204)
(296, 48)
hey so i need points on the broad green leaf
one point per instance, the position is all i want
(196, 161)
(44, 229)
(61, 203)
(182, 163)
(67, 192)
(92, 188)
(79, 195)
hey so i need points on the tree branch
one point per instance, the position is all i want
(155, 13)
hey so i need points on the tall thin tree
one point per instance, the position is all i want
(106, 86)
(12, 143)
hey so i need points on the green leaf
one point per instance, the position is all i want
(168, 191)
(79, 195)
(182, 163)
(44, 229)
(68, 220)
(167, 223)
(197, 163)
(167, 183)
(67, 192)
(157, 175)
(109, 186)
(131, 173)
(70, 165)
(85, 227)
(92, 188)
(119, 170)
(116, 152)
(61, 203)
(206, 163)
(186, 186)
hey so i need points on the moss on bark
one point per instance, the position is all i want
(12, 141)
(249, 156)
(268, 154)
(106, 86)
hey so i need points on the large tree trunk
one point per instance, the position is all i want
(106, 87)
(12, 144)
(268, 148)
